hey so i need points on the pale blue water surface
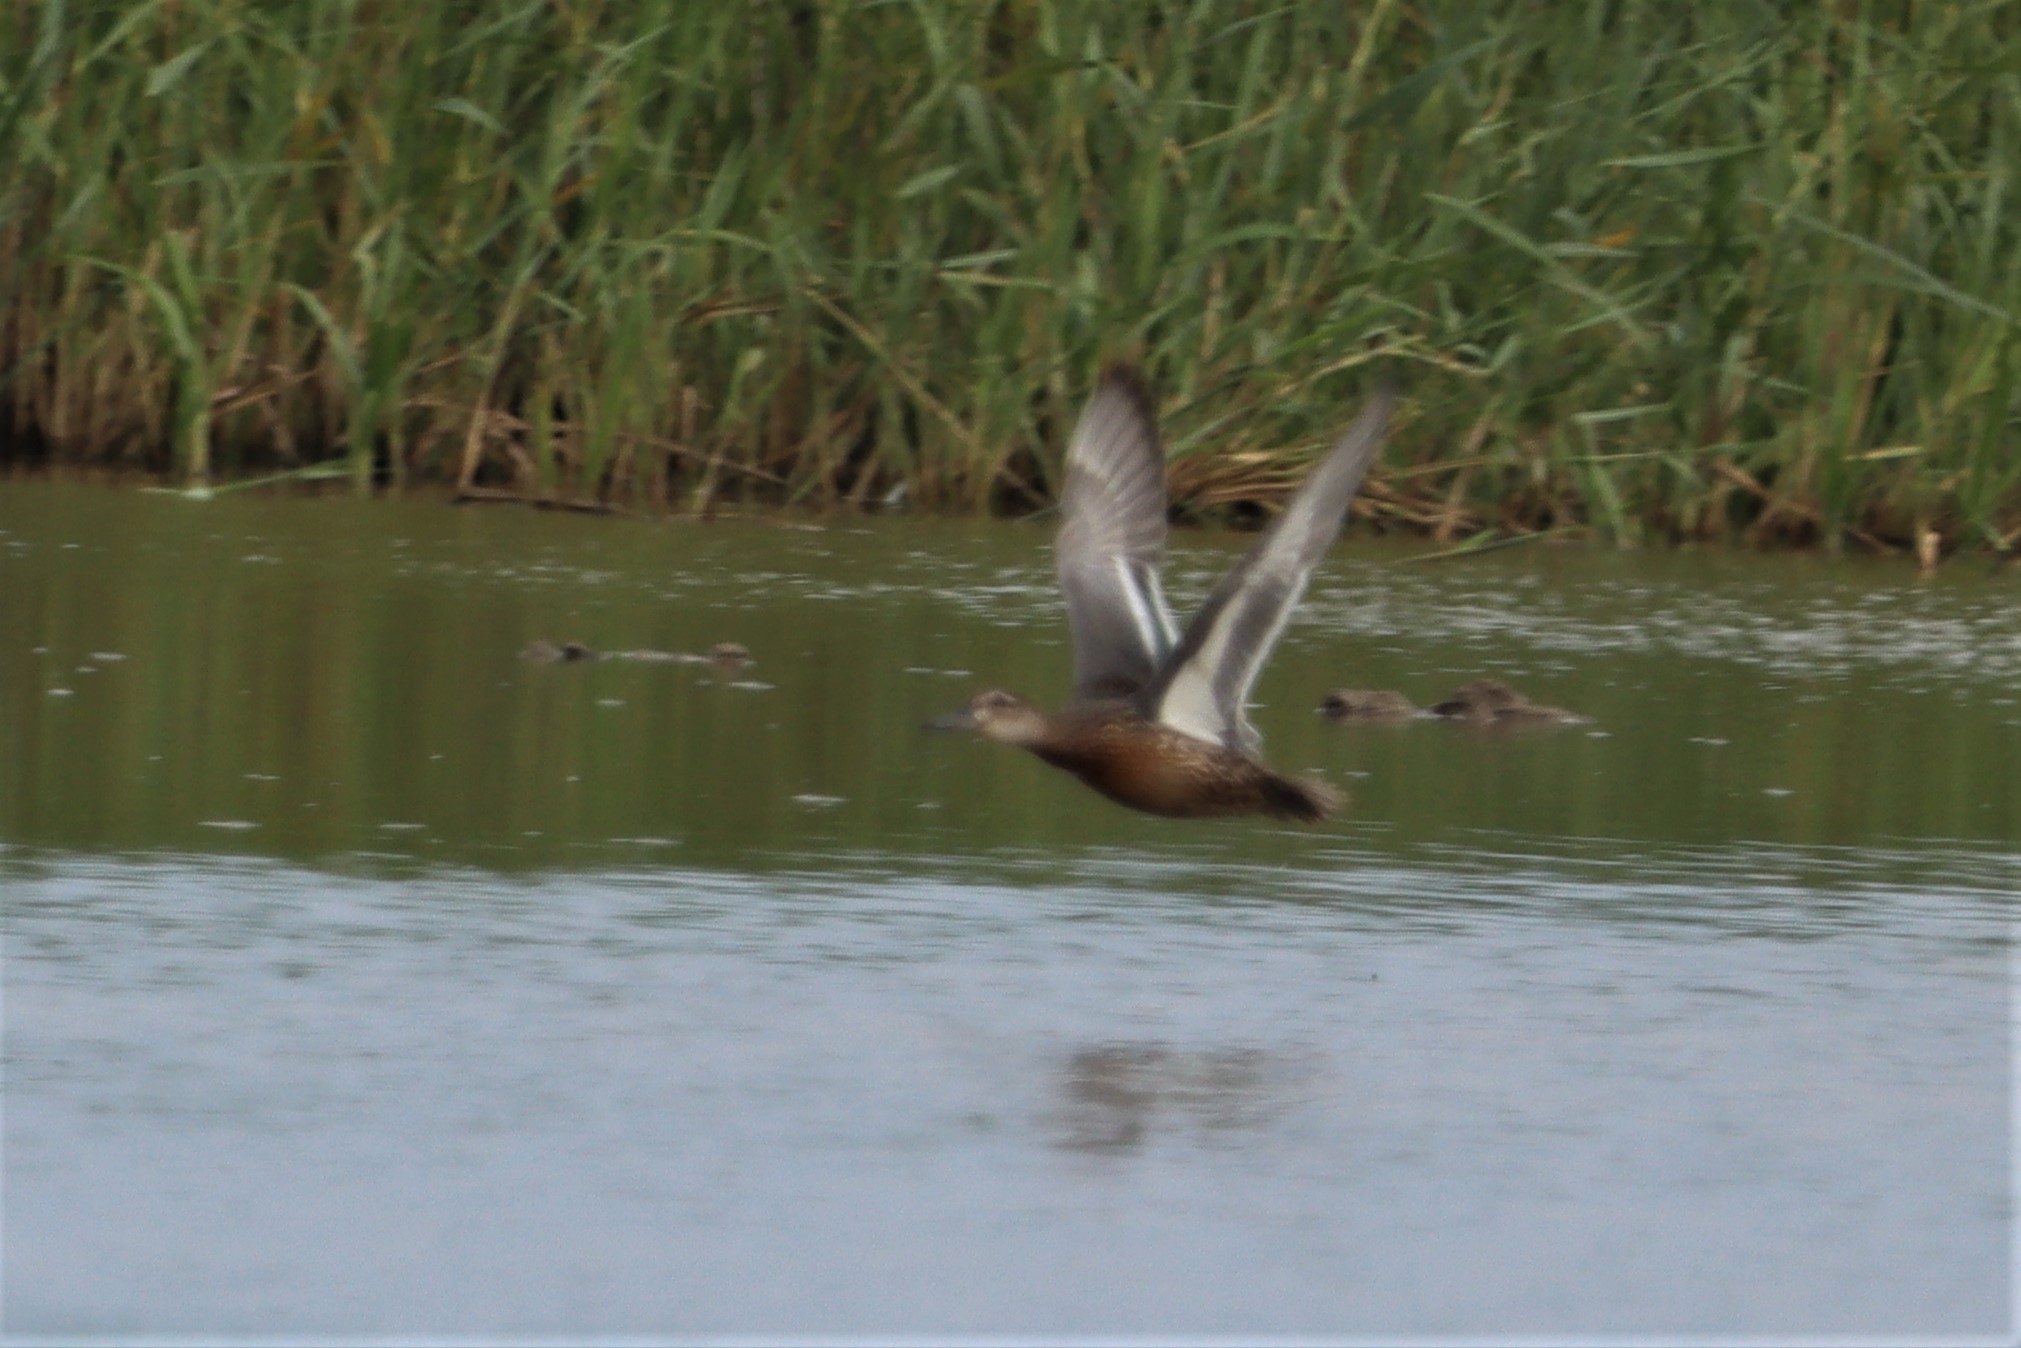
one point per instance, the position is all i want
(362, 978)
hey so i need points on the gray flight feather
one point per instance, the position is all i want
(1202, 689)
(1112, 539)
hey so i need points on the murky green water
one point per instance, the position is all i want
(362, 977)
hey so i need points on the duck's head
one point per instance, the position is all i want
(997, 715)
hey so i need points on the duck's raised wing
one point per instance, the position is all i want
(1202, 689)
(1112, 538)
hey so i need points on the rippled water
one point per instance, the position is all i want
(362, 977)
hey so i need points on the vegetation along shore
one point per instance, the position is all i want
(1735, 270)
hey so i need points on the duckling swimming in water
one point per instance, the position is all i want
(1367, 704)
(546, 652)
(1492, 702)
(726, 657)
(1156, 721)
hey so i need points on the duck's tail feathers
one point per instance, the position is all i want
(1305, 799)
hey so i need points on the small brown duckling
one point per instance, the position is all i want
(1492, 702)
(725, 657)
(547, 653)
(1367, 704)
(728, 655)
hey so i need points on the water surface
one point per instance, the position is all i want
(363, 977)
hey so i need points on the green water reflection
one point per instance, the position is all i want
(326, 679)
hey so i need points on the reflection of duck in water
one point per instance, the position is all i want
(1492, 702)
(1117, 1096)
(1367, 704)
(726, 657)
(1156, 719)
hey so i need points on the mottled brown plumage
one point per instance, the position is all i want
(1490, 702)
(1367, 704)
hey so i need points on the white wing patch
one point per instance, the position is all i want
(1206, 696)
(1148, 609)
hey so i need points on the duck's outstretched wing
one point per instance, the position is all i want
(1202, 689)
(1112, 538)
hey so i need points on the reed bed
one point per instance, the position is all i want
(1739, 269)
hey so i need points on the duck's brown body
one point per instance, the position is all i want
(1159, 770)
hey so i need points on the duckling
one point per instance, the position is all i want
(546, 652)
(1492, 702)
(728, 656)
(1367, 704)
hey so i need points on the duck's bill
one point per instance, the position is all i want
(954, 720)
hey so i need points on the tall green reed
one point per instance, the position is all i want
(1738, 270)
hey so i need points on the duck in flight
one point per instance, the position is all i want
(1156, 721)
